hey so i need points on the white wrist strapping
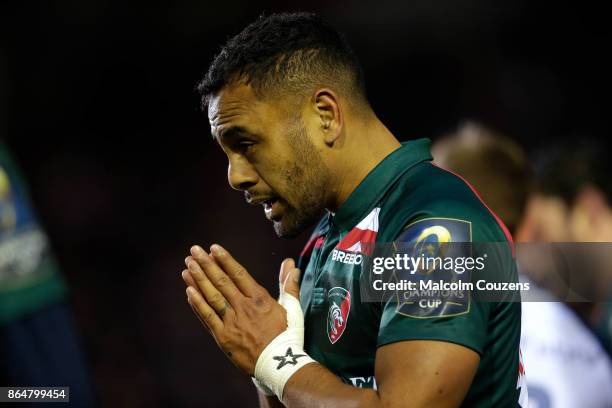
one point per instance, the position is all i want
(262, 388)
(285, 354)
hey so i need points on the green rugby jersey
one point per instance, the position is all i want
(405, 195)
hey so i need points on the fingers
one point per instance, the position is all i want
(203, 310)
(289, 285)
(210, 293)
(195, 312)
(289, 278)
(239, 275)
(188, 278)
(215, 274)
(285, 271)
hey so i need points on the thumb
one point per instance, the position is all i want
(289, 278)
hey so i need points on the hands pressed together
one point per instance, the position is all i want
(240, 314)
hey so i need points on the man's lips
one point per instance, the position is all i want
(270, 203)
(261, 200)
(271, 208)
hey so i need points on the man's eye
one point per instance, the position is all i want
(245, 146)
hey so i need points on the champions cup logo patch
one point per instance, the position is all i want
(432, 238)
(432, 242)
(339, 300)
(361, 239)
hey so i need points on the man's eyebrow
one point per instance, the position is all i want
(232, 132)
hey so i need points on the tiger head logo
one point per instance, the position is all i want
(339, 307)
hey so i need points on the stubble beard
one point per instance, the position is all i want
(308, 181)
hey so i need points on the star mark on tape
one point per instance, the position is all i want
(288, 358)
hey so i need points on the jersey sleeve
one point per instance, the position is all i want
(438, 306)
(29, 274)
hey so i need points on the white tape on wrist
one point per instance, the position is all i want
(262, 387)
(285, 354)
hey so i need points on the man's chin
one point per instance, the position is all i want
(290, 227)
(285, 231)
(291, 223)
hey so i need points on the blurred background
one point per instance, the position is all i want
(98, 109)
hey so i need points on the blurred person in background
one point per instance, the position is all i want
(572, 202)
(39, 344)
(565, 365)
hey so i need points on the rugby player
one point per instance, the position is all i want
(286, 103)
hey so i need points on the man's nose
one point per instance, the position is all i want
(241, 175)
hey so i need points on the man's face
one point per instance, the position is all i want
(271, 157)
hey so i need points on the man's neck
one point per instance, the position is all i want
(369, 144)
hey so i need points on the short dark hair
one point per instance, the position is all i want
(286, 52)
(566, 168)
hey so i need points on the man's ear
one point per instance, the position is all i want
(328, 109)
